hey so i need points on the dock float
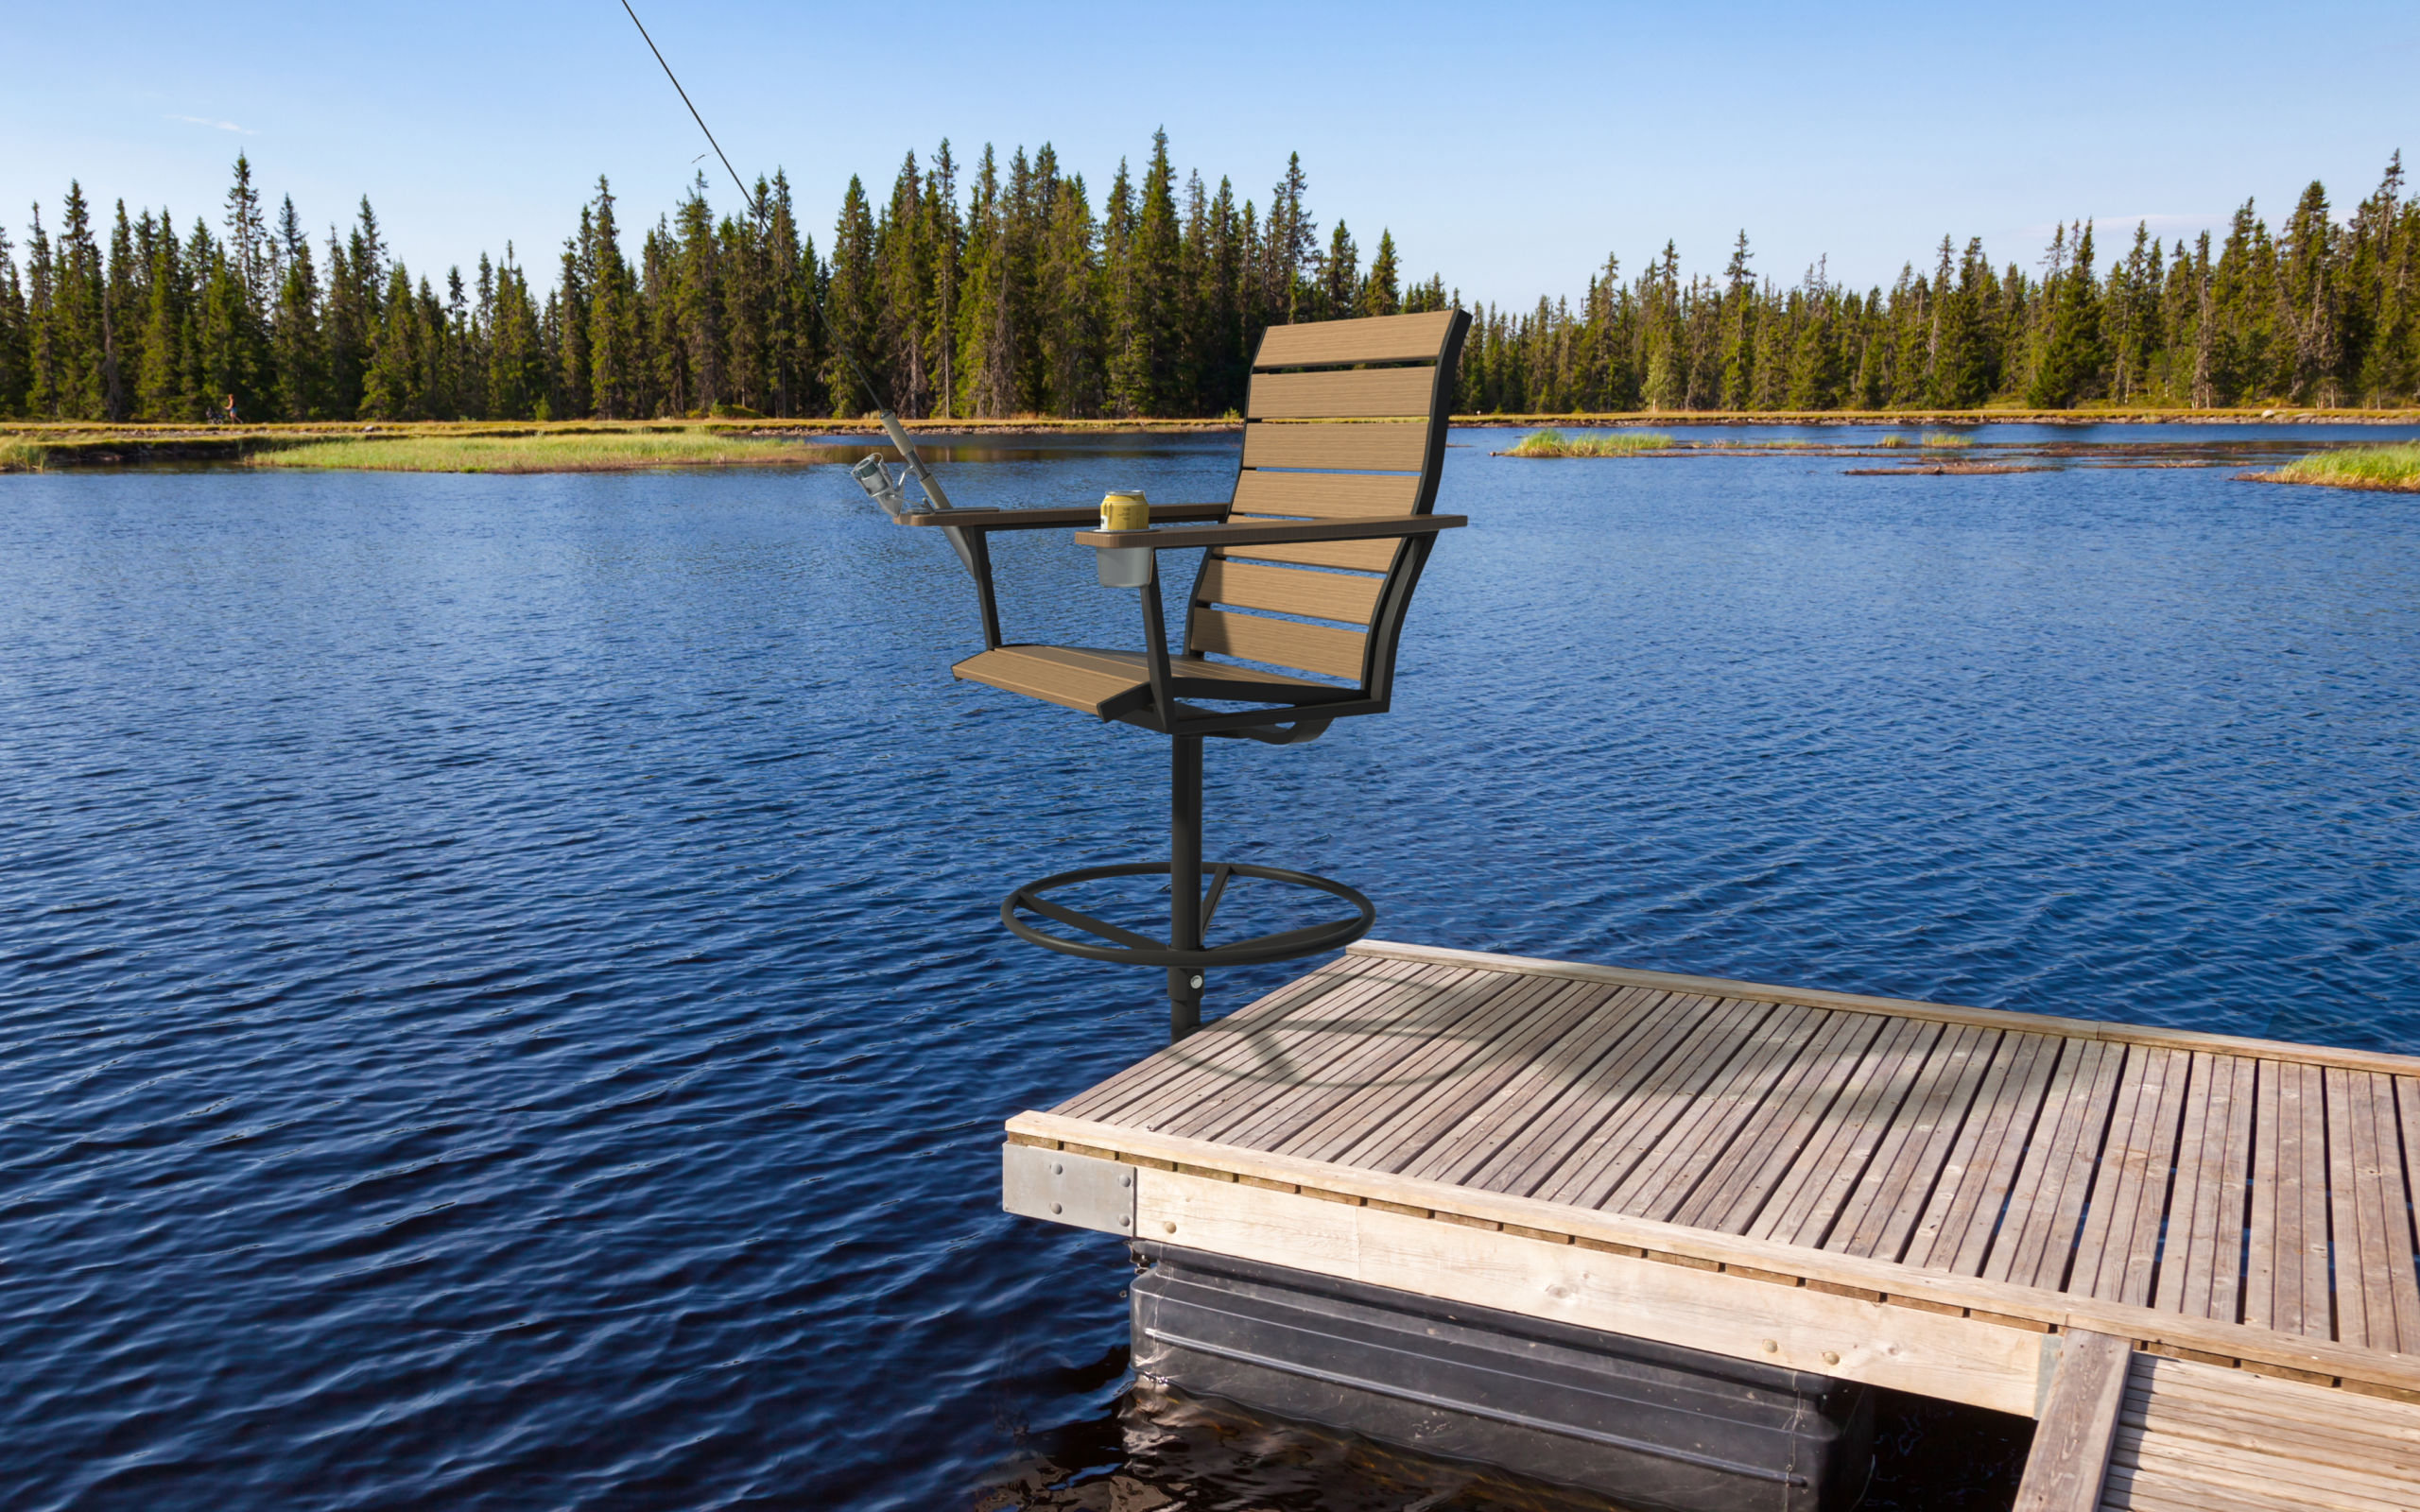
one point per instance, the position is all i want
(1600, 1220)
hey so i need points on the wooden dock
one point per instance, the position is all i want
(2191, 1257)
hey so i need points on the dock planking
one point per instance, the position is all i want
(1914, 1194)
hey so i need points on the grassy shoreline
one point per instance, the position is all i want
(606, 445)
(2394, 469)
(532, 454)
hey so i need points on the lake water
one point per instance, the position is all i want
(500, 1004)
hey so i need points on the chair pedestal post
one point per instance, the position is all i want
(1184, 881)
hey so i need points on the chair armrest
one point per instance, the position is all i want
(1050, 519)
(1273, 535)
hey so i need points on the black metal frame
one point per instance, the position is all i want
(1297, 714)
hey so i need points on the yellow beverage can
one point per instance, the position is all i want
(1125, 509)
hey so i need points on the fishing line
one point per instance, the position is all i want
(757, 209)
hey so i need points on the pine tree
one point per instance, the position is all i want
(15, 369)
(1739, 324)
(1339, 275)
(850, 305)
(1142, 366)
(295, 355)
(617, 372)
(2072, 349)
(2308, 303)
(573, 392)
(356, 276)
(75, 313)
(1381, 291)
(122, 303)
(1292, 246)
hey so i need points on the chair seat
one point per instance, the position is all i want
(1109, 683)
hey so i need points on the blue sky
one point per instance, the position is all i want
(1510, 147)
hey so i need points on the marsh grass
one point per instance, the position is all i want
(2395, 467)
(1892, 442)
(20, 456)
(1554, 443)
(1946, 438)
(612, 452)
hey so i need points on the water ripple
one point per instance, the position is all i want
(499, 999)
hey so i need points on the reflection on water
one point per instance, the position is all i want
(1159, 1448)
(1154, 1447)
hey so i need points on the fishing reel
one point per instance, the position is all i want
(890, 489)
(881, 485)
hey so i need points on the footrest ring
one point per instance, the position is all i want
(1130, 949)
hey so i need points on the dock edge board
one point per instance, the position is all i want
(2384, 1061)
(1330, 1224)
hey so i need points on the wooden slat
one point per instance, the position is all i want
(1528, 1159)
(2082, 1158)
(1612, 1021)
(2115, 1186)
(1288, 590)
(1798, 1191)
(1358, 446)
(2213, 1160)
(1348, 395)
(2203, 1130)
(1176, 1078)
(1228, 1032)
(1683, 1157)
(1601, 1161)
(2120, 1245)
(2024, 1228)
(1208, 1062)
(2205, 1436)
(1958, 1222)
(2369, 1251)
(2305, 1112)
(1325, 495)
(2267, 1242)
(1188, 538)
(2320, 1426)
(1591, 1109)
(2217, 1480)
(1422, 1123)
(2397, 1327)
(1859, 1128)
(2292, 1408)
(1052, 519)
(1090, 681)
(2406, 1102)
(1296, 1050)
(2145, 1249)
(2078, 1427)
(2090, 1029)
(1361, 555)
(1886, 1206)
(1379, 338)
(1771, 1143)
(1279, 643)
(1409, 1053)
(1344, 1132)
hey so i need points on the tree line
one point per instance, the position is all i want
(1011, 294)
(1016, 295)
(2319, 313)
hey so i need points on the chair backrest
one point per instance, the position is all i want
(1393, 378)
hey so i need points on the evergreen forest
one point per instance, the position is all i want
(1006, 289)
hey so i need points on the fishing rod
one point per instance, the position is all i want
(881, 485)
